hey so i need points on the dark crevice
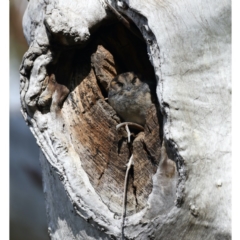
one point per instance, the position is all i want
(150, 157)
(120, 143)
(102, 173)
(160, 122)
(103, 91)
(135, 195)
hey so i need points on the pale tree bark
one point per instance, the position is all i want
(180, 184)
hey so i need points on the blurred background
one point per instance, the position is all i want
(27, 207)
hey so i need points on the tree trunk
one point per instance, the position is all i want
(179, 186)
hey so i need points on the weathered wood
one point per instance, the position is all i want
(178, 188)
(104, 151)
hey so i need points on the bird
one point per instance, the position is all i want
(130, 97)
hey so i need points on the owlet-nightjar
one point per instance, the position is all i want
(130, 97)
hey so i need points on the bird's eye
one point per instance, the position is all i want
(115, 83)
(134, 80)
(119, 84)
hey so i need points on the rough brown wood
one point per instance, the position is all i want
(91, 123)
(104, 66)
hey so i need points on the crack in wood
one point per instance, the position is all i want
(134, 191)
(150, 157)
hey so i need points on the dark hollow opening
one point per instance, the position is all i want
(112, 50)
(128, 50)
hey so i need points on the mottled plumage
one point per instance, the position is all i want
(130, 97)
